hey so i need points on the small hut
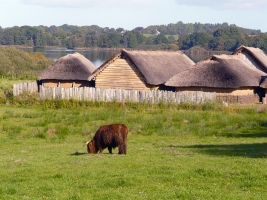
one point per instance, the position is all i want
(140, 70)
(254, 56)
(72, 70)
(221, 74)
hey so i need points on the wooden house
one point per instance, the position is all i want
(253, 56)
(72, 70)
(140, 70)
(221, 74)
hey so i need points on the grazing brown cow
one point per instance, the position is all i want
(109, 136)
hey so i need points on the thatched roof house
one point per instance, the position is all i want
(140, 70)
(72, 70)
(254, 56)
(220, 74)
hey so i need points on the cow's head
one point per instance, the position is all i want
(91, 146)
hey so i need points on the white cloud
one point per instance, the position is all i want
(86, 3)
(226, 4)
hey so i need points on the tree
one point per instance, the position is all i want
(103, 41)
(139, 28)
(228, 32)
(209, 36)
(119, 30)
(39, 40)
(91, 40)
(8, 38)
(76, 40)
(216, 44)
(19, 39)
(260, 42)
(129, 40)
(52, 40)
(139, 37)
(230, 45)
(149, 40)
(171, 38)
(29, 32)
(132, 41)
(195, 39)
(115, 39)
(161, 39)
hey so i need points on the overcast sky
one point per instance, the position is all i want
(129, 14)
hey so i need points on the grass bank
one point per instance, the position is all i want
(19, 64)
(174, 152)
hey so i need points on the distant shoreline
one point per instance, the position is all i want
(188, 51)
(57, 47)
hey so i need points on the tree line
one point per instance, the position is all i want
(226, 38)
(219, 37)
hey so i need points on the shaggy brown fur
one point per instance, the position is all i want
(109, 136)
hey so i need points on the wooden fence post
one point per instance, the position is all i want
(263, 100)
(118, 95)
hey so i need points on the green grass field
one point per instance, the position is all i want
(174, 152)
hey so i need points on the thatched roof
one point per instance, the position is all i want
(263, 82)
(70, 67)
(155, 66)
(220, 71)
(256, 54)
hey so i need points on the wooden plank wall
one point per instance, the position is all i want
(65, 83)
(254, 98)
(121, 74)
(121, 95)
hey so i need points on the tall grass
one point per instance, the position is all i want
(19, 64)
(154, 118)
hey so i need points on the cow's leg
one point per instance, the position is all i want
(122, 149)
(110, 150)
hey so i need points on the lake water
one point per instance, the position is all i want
(97, 57)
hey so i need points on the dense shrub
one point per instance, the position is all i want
(16, 63)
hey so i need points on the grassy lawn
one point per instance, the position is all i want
(173, 152)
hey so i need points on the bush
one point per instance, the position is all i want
(19, 64)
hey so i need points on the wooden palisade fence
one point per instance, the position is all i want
(25, 87)
(121, 95)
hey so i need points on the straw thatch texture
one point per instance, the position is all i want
(221, 71)
(70, 67)
(155, 66)
(159, 66)
(263, 83)
(253, 55)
